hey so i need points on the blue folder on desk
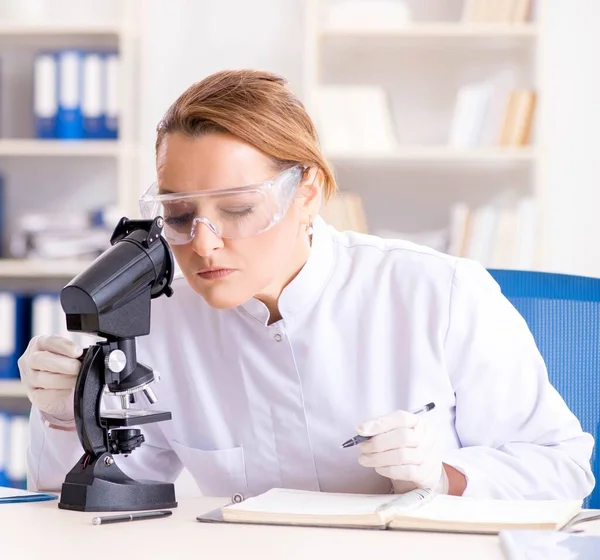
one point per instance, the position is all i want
(14, 495)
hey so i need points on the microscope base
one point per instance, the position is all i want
(104, 487)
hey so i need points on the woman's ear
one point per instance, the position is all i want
(310, 193)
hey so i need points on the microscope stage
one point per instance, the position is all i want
(132, 417)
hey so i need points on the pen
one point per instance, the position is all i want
(130, 517)
(359, 439)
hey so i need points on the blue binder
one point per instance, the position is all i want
(15, 328)
(93, 95)
(3, 240)
(3, 448)
(69, 124)
(16, 457)
(111, 95)
(45, 94)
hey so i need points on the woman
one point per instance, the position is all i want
(284, 336)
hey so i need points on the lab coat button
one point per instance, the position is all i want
(277, 337)
(237, 498)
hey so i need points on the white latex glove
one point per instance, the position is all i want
(404, 448)
(49, 369)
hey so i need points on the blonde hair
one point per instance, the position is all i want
(257, 107)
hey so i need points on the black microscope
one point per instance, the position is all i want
(112, 299)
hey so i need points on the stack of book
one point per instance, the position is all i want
(69, 235)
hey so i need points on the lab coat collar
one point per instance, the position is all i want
(308, 283)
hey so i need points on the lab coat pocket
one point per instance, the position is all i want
(219, 472)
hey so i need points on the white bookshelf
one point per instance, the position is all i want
(88, 173)
(421, 63)
(47, 175)
(39, 30)
(59, 148)
(12, 388)
(439, 154)
(435, 31)
(38, 268)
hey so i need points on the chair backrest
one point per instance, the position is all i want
(563, 314)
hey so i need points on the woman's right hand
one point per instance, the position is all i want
(49, 369)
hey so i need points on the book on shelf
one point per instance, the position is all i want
(487, 113)
(416, 510)
(496, 236)
(345, 211)
(3, 241)
(496, 11)
(518, 118)
(14, 435)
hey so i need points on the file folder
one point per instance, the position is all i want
(3, 240)
(16, 456)
(111, 95)
(92, 104)
(3, 448)
(15, 327)
(14, 495)
(45, 95)
(69, 125)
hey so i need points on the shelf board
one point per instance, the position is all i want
(40, 268)
(438, 31)
(12, 388)
(76, 148)
(439, 154)
(16, 29)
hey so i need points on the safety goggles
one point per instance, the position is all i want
(229, 213)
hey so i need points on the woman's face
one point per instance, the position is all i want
(228, 272)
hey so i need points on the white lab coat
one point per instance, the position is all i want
(369, 326)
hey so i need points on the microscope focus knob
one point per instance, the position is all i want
(116, 361)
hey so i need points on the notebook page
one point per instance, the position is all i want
(306, 502)
(472, 510)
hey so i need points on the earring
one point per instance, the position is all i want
(309, 231)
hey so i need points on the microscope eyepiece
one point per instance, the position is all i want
(111, 298)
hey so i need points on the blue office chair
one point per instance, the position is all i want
(563, 313)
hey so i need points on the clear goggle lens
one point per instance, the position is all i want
(229, 213)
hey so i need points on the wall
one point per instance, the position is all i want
(571, 86)
(185, 40)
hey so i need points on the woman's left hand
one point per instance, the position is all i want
(404, 448)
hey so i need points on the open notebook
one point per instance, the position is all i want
(419, 510)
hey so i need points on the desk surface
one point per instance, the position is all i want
(41, 530)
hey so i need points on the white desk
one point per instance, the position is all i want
(41, 531)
